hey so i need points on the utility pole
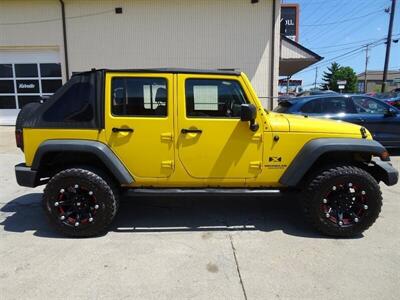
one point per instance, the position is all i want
(287, 84)
(366, 68)
(388, 44)
(316, 75)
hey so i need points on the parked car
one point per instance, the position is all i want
(380, 118)
(177, 131)
(392, 98)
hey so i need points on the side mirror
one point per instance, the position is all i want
(248, 113)
(390, 112)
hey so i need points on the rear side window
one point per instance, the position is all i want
(139, 96)
(312, 107)
(335, 105)
(331, 105)
(74, 102)
(210, 98)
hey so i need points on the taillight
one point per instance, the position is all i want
(19, 139)
(391, 103)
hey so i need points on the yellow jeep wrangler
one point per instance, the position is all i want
(107, 131)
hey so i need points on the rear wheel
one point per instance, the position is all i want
(342, 201)
(80, 203)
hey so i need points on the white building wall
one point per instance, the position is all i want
(151, 33)
(31, 26)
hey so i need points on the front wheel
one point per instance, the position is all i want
(80, 203)
(342, 201)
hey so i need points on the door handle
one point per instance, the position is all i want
(115, 129)
(184, 131)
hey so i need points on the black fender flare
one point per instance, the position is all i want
(100, 150)
(312, 150)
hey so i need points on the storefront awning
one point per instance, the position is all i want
(294, 57)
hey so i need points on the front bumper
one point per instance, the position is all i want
(385, 171)
(26, 176)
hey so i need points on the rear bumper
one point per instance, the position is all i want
(388, 174)
(26, 176)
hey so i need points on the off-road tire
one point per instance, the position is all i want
(322, 181)
(106, 196)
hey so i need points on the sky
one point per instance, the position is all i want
(339, 28)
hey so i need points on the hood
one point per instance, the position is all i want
(299, 123)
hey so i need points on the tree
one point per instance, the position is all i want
(348, 74)
(329, 84)
(336, 72)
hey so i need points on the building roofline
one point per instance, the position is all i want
(308, 51)
(378, 72)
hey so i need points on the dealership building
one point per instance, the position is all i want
(43, 42)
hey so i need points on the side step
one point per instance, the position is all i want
(206, 191)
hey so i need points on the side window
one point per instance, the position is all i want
(335, 105)
(213, 98)
(132, 96)
(74, 102)
(368, 105)
(312, 107)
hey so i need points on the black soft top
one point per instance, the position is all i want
(169, 70)
(79, 103)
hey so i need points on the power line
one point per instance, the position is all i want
(352, 43)
(338, 50)
(342, 56)
(339, 28)
(347, 48)
(342, 21)
(342, 11)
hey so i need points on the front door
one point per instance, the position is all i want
(372, 114)
(213, 142)
(139, 122)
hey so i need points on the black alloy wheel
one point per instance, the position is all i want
(80, 203)
(342, 201)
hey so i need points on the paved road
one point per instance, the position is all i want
(192, 247)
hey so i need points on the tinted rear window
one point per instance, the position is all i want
(74, 102)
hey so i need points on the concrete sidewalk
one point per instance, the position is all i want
(192, 247)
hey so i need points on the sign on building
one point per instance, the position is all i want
(290, 21)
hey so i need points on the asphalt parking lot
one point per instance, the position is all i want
(203, 247)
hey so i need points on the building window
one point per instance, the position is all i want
(7, 102)
(50, 70)
(6, 71)
(26, 70)
(23, 83)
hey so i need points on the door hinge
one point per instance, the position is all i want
(167, 136)
(257, 137)
(255, 165)
(167, 164)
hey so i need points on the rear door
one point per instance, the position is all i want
(139, 122)
(213, 142)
